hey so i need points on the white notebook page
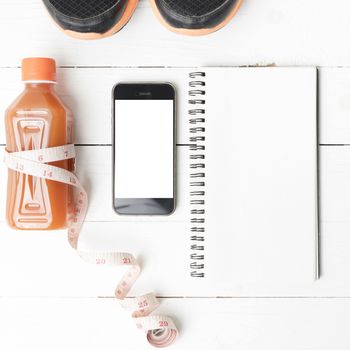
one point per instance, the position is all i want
(261, 153)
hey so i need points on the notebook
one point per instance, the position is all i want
(246, 221)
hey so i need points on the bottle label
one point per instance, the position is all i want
(160, 330)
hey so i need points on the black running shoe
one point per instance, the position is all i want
(195, 17)
(91, 19)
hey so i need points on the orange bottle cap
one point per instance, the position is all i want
(39, 69)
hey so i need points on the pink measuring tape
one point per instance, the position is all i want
(160, 330)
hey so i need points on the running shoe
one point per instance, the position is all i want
(91, 19)
(195, 17)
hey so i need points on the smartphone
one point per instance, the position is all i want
(144, 148)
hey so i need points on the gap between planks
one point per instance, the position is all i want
(187, 145)
(344, 297)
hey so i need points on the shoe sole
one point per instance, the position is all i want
(129, 11)
(195, 32)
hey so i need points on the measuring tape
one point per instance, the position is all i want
(160, 330)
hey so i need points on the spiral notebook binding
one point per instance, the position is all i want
(197, 171)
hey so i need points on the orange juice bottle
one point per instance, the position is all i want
(38, 119)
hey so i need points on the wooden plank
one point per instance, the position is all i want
(335, 184)
(284, 32)
(45, 265)
(244, 324)
(94, 170)
(87, 91)
(334, 99)
(42, 264)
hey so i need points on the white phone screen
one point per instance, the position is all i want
(144, 154)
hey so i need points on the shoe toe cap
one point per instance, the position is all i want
(86, 16)
(195, 14)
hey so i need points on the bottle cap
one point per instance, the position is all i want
(39, 69)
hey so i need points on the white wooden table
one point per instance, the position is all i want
(50, 299)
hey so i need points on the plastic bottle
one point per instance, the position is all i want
(38, 119)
